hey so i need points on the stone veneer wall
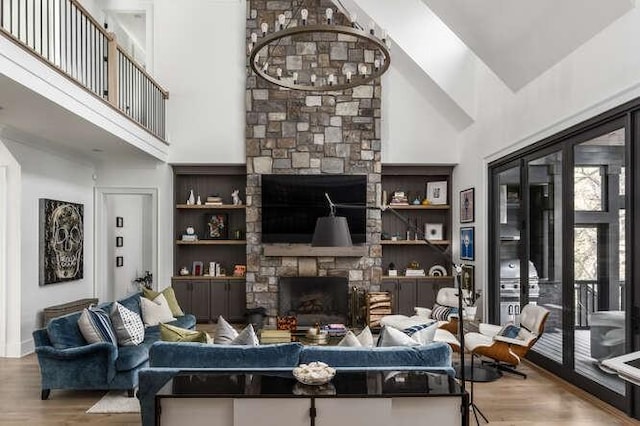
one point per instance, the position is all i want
(293, 132)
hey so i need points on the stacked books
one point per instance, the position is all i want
(335, 330)
(213, 200)
(414, 272)
(189, 237)
(275, 336)
(399, 199)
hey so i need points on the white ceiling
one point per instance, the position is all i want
(521, 39)
(54, 128)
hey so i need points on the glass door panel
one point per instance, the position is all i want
(509, 198)
(599, 251)
(544, 177)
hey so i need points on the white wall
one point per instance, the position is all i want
(44, 175)
(602, 73)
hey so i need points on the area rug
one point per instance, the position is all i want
(115, 402)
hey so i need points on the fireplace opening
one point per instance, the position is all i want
(312, 300)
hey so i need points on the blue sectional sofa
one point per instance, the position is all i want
(67, 361)
(168, 359)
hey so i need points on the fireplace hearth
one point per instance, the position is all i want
(313, 300)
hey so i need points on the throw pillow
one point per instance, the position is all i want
(224, 332)
(95, 326)
(365, 337)
(390, 336)
(443, 313)
(171, 333)
(246, 337)
(170, 295)
(510, 331)
(155, 311)
(350, 339)
(127, 325)
(423, 333)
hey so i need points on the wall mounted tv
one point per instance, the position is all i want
(291, 204)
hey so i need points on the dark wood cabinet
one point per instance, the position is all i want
(407, 293)
(207, 299)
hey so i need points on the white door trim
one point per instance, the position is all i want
(4, 205)
(102, 241)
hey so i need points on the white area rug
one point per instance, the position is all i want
(116, 402)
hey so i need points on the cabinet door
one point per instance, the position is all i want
(391, 286)
(426, 292)
(218, 299)
(200, 300)
(182, 289)
(406, 297)
(237, 300)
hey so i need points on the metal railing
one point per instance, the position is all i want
(586, 301)
(65, 35)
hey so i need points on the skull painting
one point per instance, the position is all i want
(61, 250)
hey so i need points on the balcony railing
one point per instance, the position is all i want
(586, 301)
(65, 35)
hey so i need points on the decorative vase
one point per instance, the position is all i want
(199, 202)
(192, 198)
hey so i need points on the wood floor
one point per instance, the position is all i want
(538, 400)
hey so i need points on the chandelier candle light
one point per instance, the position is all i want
(276, 53)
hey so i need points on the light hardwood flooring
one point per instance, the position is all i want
(539, 400)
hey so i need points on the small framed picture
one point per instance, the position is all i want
(216, 227)
(119, 241)
(467, 243)
(468, 279)
(119, 261)
(437, 192)
(119, 222)
(467, 205)
(434, 231)
(198, 268)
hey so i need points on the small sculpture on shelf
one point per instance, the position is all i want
(184, 271)
(199, 202)
(235, 196)
(190, 235)
(192, 198)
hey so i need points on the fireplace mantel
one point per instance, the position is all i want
(306, 250)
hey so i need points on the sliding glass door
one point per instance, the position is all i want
(558, 229)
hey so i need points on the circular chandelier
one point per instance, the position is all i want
(322, 56)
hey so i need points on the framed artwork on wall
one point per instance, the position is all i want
(119, 261)
(467, 205)
(119, 222)
(61, 241)
(198, 268)
(468, 278)
(467, 243)
(119, 241)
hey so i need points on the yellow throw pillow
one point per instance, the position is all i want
(171, 333)
(170, 295)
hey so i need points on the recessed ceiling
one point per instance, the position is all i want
(518, 39)
(56, 128)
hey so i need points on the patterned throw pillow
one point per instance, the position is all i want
(96, 327)
(127, 325)
(443, 313)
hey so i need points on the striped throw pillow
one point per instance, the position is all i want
(95, 326)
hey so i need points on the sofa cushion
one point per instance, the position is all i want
(64, 332)
(201, 355)
(127, 325)
(433, 355)
(185, 321)
(95, 326)
(129, 357)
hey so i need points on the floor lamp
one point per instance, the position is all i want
(333, 231)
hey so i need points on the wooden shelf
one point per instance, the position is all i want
(210, 207)
(414, 242)
(421, 207)
(205, 277)
(212, 243)
(305, 250)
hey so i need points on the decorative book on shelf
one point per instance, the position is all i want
(275, 336)
(378, 304)
(414, 272)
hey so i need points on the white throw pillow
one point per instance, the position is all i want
(423, 335)
(155, 311)
(350, 339)
(224, 333)
(365, 337)
(127, 325)
(389, 336)
(246, 337)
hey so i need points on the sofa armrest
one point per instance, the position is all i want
(79, 352)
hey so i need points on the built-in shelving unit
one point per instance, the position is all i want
(212, 243)
(211, 206)
(414, 242)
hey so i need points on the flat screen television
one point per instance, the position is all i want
(291, 204)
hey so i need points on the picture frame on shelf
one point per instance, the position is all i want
(216, 226)
(467, 243)
(434, 231)
(467, 205)
(437, 192)
(198, 268)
